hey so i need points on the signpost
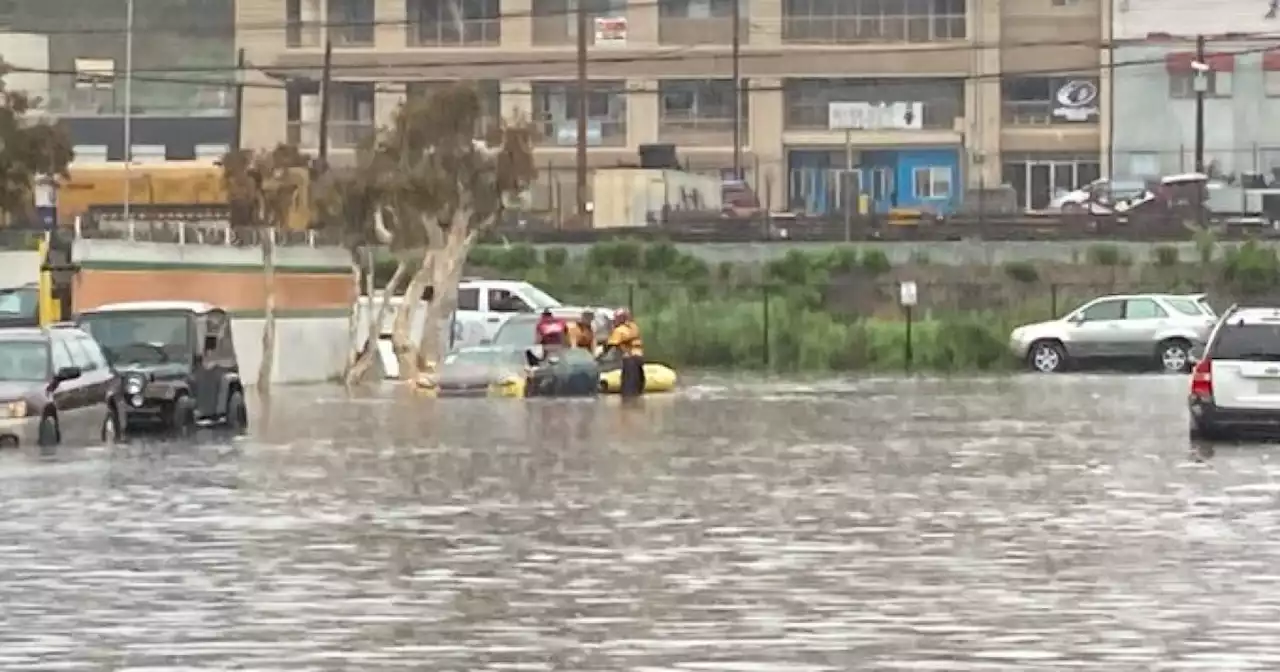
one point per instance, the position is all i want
(865, 116)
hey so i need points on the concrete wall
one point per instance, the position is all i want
(313, 296)
(1153, 128)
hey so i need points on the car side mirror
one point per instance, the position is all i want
(64, 374)
(486, 341)
(1078, 318)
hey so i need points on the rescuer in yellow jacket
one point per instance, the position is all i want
(582, 334)
(625, 338)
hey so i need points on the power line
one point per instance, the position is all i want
(674, 55)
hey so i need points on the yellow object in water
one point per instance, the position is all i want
(657, 378)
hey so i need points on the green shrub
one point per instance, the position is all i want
(1022, 271)
(1106, 254)
(1164, 256)
(555, 257)
(1251, 269)
(876, 262)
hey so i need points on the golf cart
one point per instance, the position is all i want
(176, 361)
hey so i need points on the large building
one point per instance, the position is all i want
(946, 97)
(1155, 87)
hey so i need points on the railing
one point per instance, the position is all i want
(466, 33)
(563, 132)
(844, 29)
(198, 232)
(342, 134)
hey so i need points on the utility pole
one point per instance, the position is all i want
(238, 137)
(583, 216)
(128, 115)
(737, 89)
(1200, 82)
(326, 86)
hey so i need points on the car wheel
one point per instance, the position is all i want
(48, 435)
(111, 432)
(1047, 357)
(183, 419)
(1174, 355)
(237, 419)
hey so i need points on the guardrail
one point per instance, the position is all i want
(194, 232)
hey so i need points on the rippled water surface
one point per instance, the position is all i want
(1025, 523)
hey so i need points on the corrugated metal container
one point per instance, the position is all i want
(636, 197)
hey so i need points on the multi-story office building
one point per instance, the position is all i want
(948, 96)
(1155, 87)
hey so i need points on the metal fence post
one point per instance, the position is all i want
(765, 294)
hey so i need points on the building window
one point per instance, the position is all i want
(931, 182)
(453, 23)
(351, 23)
(808, 101)
(700, 108)
(1065, 3)
(555, 107)
(1271, 83)
(1037, 101)
(845, 21)
(1182, 84)
(1038, 179)
(556, 21)
(90, 153)
(351, 122)
(302, 23)
(701, 21)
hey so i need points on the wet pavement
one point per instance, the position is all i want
(1024, 523)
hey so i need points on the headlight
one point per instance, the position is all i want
(134, 385)
(15, 409)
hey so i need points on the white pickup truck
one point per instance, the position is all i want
(485, 305)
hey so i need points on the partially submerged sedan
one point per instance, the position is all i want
(484, 371)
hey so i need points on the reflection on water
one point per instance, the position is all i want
(1029, 523)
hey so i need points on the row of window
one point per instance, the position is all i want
(353, 22)
(1218, 84)
(1137, 309)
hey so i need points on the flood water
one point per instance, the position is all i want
(1023, 523)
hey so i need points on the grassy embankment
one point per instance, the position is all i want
(795, 314)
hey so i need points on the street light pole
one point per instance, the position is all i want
(128, 114)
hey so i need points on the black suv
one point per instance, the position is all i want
(56, 386)
(176, 362)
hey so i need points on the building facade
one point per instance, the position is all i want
(928, 100)
(1155, 88)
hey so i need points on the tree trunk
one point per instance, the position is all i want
(446, 274)
(367, 360)
(406, 350)
(269, 310)
(353, 320)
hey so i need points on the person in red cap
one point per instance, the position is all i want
(550, 332)
(625, 339)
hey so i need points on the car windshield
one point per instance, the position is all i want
(539, 298)
(141, 338)
(517, 332)
(24, 361)
(1249, 342)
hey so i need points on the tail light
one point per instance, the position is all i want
(1202, 379)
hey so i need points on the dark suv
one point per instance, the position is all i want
(56, 386)
(176, 361)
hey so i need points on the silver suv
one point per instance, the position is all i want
(1235, 385)
(1157, 328)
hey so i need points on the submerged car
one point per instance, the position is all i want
(519, 333)
(176, 361)
(1158, 329)
(55, 386)
(480, 372)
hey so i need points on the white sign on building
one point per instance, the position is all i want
(1138, 19)
(875, 116)
(611, 31)
(1076, 100)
